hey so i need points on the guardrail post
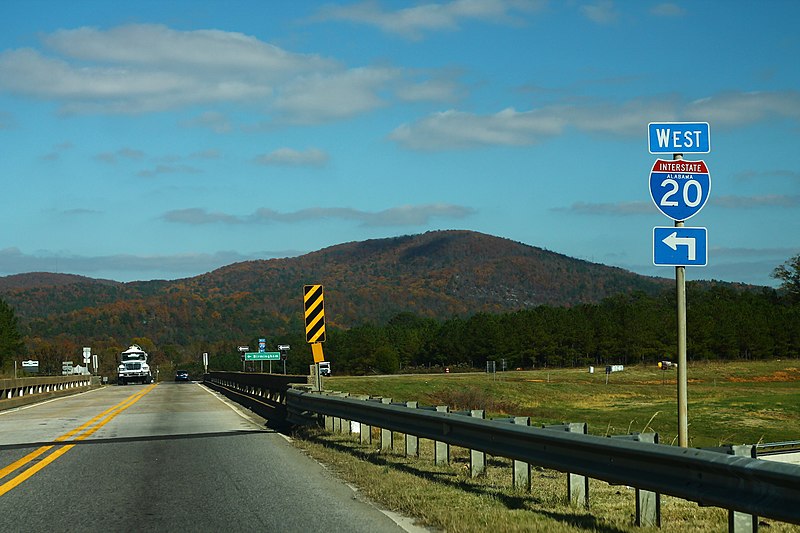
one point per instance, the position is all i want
(412, 441)
(521, 471)
(648, 503)
(742, 522)
(330, 423)
(387, 437)
(365, 432)
(361, 427)
(333, 424)
(441, 450)
(477, 459)
(577, 485)
(344, 424)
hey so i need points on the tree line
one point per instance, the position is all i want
(722, 323)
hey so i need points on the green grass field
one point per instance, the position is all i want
(728, 403)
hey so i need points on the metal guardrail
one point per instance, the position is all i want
(736, 483)
(776, 448)
(23, 391)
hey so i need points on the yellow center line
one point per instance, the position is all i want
(109, 415)
(33, 455)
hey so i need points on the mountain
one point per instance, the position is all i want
(438, 274)
(45, 279)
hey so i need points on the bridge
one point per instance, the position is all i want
(163, 457)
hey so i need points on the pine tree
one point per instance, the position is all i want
(789, 274)
(11, 344)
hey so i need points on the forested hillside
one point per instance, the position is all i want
(438, 274)
(453, 297)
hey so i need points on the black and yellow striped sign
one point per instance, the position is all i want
(314, 313)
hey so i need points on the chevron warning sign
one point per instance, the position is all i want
(314, 313)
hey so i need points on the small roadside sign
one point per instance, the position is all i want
(314, 311)
(680, 246)
(679, 137)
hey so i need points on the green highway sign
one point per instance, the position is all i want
(262, 356)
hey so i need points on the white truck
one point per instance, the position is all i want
(133, 367)
(325, 368)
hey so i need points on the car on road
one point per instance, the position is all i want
(182, 375)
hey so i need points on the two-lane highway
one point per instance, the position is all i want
(166, 457)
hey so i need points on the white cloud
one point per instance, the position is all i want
(143, 68)
(759, 174)
(159, 46)
(168, 169)
(119, 88)
(459, 129)
(114, 157)
(436, 90)
(197, 216)
(397, 216)
(323, 97)
(615, 209)
(210, 153)
(213, 120)
(291, 157)
(667, 9)
(738, 108)
(412, 22)
(601, 12)
(768, 200)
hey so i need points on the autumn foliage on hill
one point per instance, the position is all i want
(438, 275)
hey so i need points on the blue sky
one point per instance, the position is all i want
(160, 140)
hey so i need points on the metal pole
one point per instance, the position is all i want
(680, 286)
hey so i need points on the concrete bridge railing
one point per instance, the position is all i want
(23, 391)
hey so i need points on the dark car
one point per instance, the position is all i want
(182, 375)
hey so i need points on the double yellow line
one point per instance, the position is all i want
(76, 434)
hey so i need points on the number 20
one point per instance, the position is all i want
(675, 186)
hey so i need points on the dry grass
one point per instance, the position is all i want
(446, 498)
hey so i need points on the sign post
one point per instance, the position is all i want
(87, 355)
(242, 350)
(679, 190)
(284, 350)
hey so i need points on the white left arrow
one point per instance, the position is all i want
(673, 241)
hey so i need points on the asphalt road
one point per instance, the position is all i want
(166, 457)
